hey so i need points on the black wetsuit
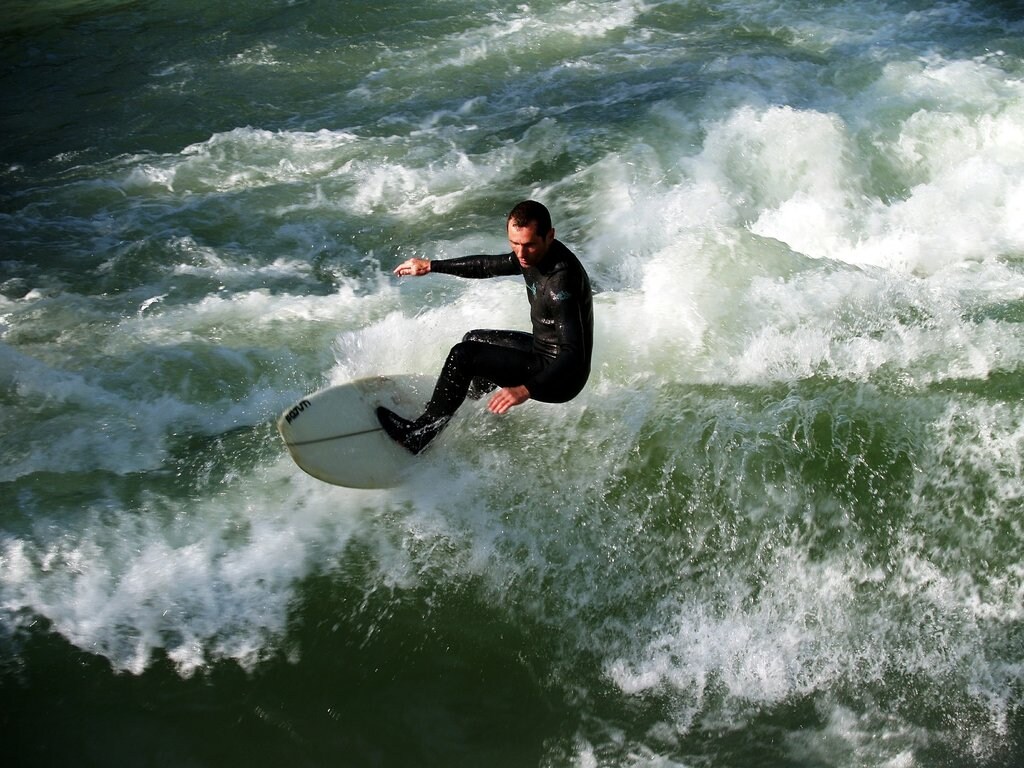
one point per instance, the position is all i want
(553, 362)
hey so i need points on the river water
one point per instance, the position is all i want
(780, 527)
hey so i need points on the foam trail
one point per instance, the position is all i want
(198, 583)
(782, 517)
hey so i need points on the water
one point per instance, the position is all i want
(781, 527)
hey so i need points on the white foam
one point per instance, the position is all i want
(525, 30)
(961, 163)
(414, 187)
(262, 55)
(784, 643)
(121, 420)
(739, 244)
(849, 738)
(417, 339)
(77, 425)
(244, 158)
(753, 311)
(201, 581)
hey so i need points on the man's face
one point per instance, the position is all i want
(529, 247)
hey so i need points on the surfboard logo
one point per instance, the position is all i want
(293, 414)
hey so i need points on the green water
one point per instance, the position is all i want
(780, 527)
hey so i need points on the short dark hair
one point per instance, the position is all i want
(531, 212)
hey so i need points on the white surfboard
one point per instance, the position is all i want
(334, 434)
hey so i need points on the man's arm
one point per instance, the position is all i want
(503, 264)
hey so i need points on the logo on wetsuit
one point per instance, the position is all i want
(560, 296)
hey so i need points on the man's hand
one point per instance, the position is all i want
(413, 267)
(506, 397)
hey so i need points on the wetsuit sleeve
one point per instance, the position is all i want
(477, 266)
(567, 335)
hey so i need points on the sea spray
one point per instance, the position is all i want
(778, 527)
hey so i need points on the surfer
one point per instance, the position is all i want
(550, 365)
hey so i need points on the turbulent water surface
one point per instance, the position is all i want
(780, 527)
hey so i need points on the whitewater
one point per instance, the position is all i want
(780, 527)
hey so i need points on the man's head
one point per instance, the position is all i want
(530, 232)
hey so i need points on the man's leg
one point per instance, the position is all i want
(498, 358)
(518, 340)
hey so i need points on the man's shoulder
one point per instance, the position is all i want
(563, 275)
(561, 259)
